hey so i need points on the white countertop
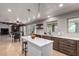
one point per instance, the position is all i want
(63, 36)
(37, 41)
(68, 37)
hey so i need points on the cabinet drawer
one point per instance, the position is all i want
(55, 46)
(68, 52)
(77, 48)
(47, 37)
(67, 47)
(68, 41)
(67, 44)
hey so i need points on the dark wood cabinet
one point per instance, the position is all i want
(77, 48)
(67, 46)
(47, 37)
(55, 43)
(38, 36)
(39, 26)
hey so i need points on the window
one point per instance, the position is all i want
(52, 26)
(73, 25)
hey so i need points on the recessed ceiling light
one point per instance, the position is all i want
(48, 16)
(29, 19)
(61, 5)
(38, 15)
(9, 10)
(33, 17)
(17, 19)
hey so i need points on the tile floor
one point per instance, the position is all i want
(8, 48)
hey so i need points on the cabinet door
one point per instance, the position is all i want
(69, 41)
(47, 37)
(55, 43)
(67, 46)
(77, 48)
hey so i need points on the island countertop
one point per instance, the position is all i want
(37, 41)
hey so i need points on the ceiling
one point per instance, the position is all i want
(19, 10)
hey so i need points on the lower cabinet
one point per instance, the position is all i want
(68, 46)
(77, 48)
(55, 43)
(46, 37)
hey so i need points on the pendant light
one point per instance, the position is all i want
(28, 14)
(38, 15)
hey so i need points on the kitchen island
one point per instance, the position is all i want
(38, 46)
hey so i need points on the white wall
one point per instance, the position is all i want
(62, 25)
